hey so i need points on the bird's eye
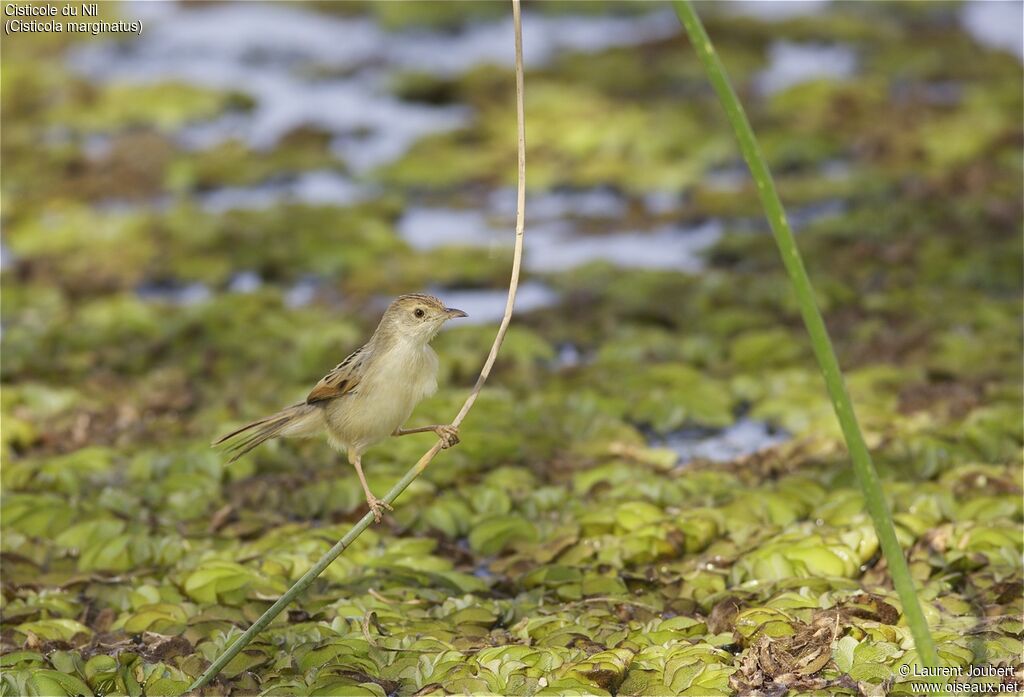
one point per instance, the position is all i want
(418, 312)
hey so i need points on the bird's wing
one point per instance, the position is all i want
(342, 380)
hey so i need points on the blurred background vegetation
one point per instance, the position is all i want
(651, 496)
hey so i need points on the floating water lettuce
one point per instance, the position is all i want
(560, 548)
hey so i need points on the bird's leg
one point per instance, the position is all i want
(372, 501)
(448, 434)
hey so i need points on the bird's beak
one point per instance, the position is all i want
(453, 313)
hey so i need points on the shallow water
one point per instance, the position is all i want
(792, 63)
(188, 294)
(662, 202)
(561, 203)
(774, 10)
(995, 24)
(245, 282)
(804, 216)
(837, 169)
(727, 179)
(302, 293)
(669, 248)
(559, 244)
(485, 306)
(319, 187)
(177, 294)
(428, 228)
(745, 437)
(569, 356)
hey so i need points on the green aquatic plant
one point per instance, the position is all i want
(867, 476)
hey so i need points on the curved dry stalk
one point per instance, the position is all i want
(425, 460)
(517, 256)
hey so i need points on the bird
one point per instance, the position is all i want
(369, 395)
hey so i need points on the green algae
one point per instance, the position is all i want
(575, 150)
(116, 107)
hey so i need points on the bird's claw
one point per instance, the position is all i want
(449, 436)
(376, 505)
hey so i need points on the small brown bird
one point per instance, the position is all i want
(370, 394)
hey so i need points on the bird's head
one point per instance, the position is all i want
(417, 316)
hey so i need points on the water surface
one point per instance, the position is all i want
(745, 437)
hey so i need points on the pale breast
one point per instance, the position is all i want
(384, 399)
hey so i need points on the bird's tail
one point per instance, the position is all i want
(297, 420)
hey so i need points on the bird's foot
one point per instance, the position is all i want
(377, 506)
(449, 435)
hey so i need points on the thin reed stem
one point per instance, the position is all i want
(867, 476)
(417, 469)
